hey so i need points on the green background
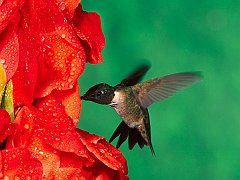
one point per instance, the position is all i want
(196, 133)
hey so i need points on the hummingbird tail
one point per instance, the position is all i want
(131, 133)
(121, 130)
(151, 148)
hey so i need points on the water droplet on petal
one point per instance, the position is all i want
(26, 126)
(6, 178)
(2, 61)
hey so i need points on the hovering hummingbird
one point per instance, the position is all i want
(131, 99)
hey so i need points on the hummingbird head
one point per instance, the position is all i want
(100, 93)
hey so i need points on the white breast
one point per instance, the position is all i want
(118, 99)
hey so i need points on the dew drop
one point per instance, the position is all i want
(14, 156)
(43, 38)
(102, 150)
(2, 61)
(74, 69)
(16, 178)
(50, 53)
(6, 178)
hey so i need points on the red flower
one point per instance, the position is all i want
(51, 137)
(17, 163)
(44, 46)
(5, 125)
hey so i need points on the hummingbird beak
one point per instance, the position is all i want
(83, 97)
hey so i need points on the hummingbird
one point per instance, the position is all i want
(131, 99)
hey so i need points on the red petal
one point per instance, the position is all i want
(52, 115)
(104, 151)
(69, 173)
(70, 160)
(9, 51)
(71, 101)
(68, 7)
(5, 125)
(17, 163)
(7, 11)
(58, 128)
(102, 172)
(23, 125)
(48, 156)
(55, 136)
(71, 163)
(51, 55)
(62, 57)
(66, 141)
(24, 79)
(88, 27)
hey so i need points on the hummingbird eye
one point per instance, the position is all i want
(99, 93)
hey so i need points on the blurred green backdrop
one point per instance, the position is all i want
(196, 133)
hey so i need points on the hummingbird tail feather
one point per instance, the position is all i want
(133, 136)
(148, 130)
(121, 127)
(123, 137)
(151, 148)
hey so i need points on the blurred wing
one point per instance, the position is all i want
(148, 130)
(135, 76)
(158, 89)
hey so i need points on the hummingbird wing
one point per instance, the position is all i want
(147, 133)
(158, 89)
(135, 76)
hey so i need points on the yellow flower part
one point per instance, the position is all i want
(2, 81)
(7, 100)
